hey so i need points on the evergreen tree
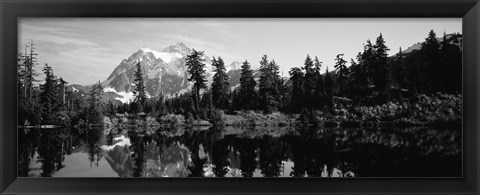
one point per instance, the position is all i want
(451, 56)
(431, 61)
(329, 91)
(319, 93)
(247, 87)
(268, 87)
(297, 94)
(139, 90)
(48, 96)
(196, 68)
(275, 98)
(342, 72)
(381, 70)
(94, 112)
(309, 82)
(399, 73)
(357, 77)
(367, 61)
(160, 105)
(220, 84)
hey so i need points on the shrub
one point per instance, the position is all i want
(172, 119)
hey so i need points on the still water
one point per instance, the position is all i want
(240, 152)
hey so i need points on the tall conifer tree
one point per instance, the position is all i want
(247, 87)
(196, 68)
(220, 84)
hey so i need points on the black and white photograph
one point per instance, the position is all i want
(240, 97)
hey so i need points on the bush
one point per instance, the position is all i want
(422, 108)
(172, 119)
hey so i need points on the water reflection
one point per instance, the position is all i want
(238, 152)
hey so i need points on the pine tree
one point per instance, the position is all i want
(381, 70)
(48, 96)
(269, 85)
(265, 83)
(399, 74)
(431, 61)
(275, 89)
(329, 91)
(309, 81)
(247, 87)
(367, 62)
(319, 93)
(139, 90)
(196, 69)
(220, 84)
(342, 72)
(451, 61)
(94, 112)
(297, 94)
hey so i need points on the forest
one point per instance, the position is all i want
(419, 87)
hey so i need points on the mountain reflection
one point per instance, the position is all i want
(237, 152)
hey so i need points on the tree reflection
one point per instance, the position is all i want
(28, 140)
(220, 162)
(312, 152)
(272, 152)
(93, 138)
(248, 163)
(50, 153)
(138, 155)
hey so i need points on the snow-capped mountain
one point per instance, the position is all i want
(164, 72)
(233, 66)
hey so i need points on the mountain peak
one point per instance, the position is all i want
(145, 50)
(180, 48)
(181, 44)
(235, 65)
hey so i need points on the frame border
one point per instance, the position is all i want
(469, 10)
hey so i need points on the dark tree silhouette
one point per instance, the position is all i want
(220, 84)
(247, 87)
(196, 69)
(139, 90)
(342, 72)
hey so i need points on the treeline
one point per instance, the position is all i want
(372, 78)
(49, 103)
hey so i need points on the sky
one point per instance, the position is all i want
(86, 50)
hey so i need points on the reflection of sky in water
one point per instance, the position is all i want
(77, 165)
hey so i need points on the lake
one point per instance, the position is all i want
(240, 152)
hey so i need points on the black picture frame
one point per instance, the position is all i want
(11, 10)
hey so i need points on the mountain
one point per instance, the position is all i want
(455, 39)
(233, 66)
(164, 72)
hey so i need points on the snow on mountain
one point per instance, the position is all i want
(233, 66)
(125, 97)
(179, 48)
(121, 141)
(164, 72)
(166, 57)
